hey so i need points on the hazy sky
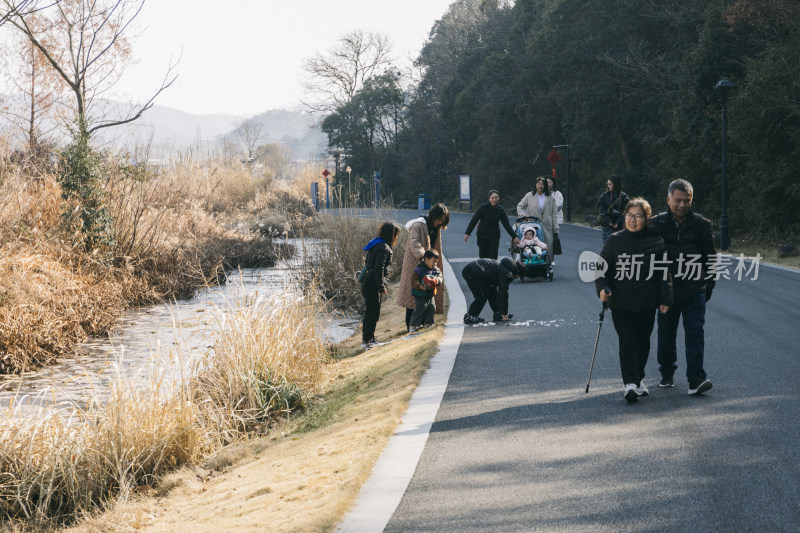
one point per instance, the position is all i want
(247, 58)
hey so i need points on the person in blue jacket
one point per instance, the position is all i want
(376, 280)
(490, 215)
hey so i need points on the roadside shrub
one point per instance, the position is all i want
(81, 177)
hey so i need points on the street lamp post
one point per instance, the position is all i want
(441, 169)
(567, 127)
(349, 190)
(336, 155)
(724, 87)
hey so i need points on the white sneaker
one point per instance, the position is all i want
(630, 392)
(641, 390)
(412, 329)
(366, 345)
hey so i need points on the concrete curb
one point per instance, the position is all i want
(381, 494)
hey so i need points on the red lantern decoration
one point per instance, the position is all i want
(554, 158)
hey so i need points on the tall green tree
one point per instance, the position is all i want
(366, 126)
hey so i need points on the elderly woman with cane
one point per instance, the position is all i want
(635, 284)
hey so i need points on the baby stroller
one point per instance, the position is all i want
(536, 266)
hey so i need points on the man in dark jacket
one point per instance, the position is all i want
(690, 247)
(488, 217)
(488, 280)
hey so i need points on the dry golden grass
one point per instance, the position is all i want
(269, 357)
(55, 465)
(49, 302)
(175, 230)
(306, 474)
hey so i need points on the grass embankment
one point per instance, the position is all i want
(268, 360)
(306, 473)
(268, 364)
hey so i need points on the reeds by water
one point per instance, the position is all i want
(268, 357)
(268, 360)
(175, 230)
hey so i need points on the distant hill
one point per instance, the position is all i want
(169, 131)
(176, 131)
(292, 129)
(165, 126)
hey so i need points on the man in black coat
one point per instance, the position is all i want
(488, 280)
(689, 240)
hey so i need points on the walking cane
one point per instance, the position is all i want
(596, 340)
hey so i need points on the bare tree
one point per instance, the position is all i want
(39, 86)
(249, 132)
(88, 52)
(333, 78)
(276, 159)
(11, 8)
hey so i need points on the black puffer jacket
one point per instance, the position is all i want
(494, 273)
(379, 257)
(623, 252)
(611, 206)
(692, 239)
(490, 217)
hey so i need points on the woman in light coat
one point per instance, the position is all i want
(542, 205)
(423, 233)
(555, 193)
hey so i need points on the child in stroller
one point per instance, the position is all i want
(532, 247)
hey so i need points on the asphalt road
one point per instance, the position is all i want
(518, 446)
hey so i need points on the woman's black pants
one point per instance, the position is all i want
(372, 312)
(634, 329)
(487, 248)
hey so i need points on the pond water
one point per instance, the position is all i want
(147, 339)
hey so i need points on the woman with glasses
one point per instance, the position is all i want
(636, 283)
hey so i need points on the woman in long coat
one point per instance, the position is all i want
(423, 232)
(542, 205)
